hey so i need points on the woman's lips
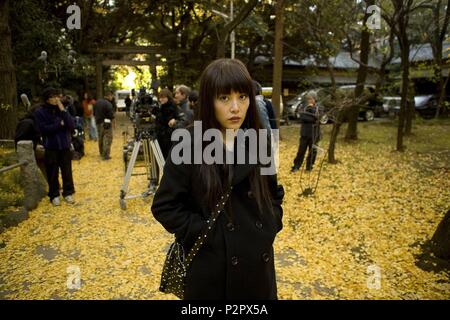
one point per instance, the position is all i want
(235, 119)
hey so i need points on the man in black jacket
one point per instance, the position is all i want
(56, 125)
(27, 129)
(104, 115)
(309, 134)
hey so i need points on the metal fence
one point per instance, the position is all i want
(13, 166)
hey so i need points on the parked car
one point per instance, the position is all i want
(372, 108)
(292, 109)
(391, 106)
(426, 105)
(119, 97)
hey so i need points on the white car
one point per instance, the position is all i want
(391, 105)
(120, 96)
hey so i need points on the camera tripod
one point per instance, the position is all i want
(153, 162)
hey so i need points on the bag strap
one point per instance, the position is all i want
(210, 223)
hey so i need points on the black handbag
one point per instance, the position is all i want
(173, 276)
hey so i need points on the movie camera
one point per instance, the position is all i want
(143, 111)
(144, 144)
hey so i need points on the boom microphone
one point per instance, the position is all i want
(25, 100)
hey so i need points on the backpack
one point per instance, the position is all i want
(27, 129)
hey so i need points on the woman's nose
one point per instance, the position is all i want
(234, 105)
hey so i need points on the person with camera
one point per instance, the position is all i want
(235, 259)
(104, 116)
(309, 133)
(56, 126)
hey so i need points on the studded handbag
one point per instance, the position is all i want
(173, 276)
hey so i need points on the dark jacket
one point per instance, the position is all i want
(27, 129)
(103, 109)
(56, 136)
(263, 112)
(237, 259)
(309, 118)
(164, 114)
(128, 102)
(79, 109)
(185, 115)
(271, 114)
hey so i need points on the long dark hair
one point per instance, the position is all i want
(221, 77)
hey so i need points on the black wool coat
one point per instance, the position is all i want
(164, 114)
(237, 259)
(309, 119)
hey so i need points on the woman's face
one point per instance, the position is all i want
(163, 100)
(230, 109)
(53, 100)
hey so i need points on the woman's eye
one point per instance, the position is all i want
(243, 96)
(223, 98)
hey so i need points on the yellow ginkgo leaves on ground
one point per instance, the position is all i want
(360, 236)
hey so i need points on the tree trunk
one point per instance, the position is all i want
(442, 93)
(231, 25)
(404, 96)
(99, 78)
(171, 75)
(333, 138)
(221, 47)
(437, 40)
(8, 89)
(402, 35)
(338, 121)
(441, 238)
(411, 111)
(278, 61)
(352, 129)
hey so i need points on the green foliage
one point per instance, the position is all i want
(33, 30)
(186, 32)
(318, 27)
(11, 193)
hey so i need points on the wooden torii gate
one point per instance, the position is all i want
(101, 61)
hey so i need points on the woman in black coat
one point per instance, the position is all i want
(166, 112)
(237, 260)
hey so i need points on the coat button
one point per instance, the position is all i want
(258, 224)
(234, 261)
(250, 195)
(230, 226)
(265, 257)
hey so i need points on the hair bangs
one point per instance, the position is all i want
(232, 77)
